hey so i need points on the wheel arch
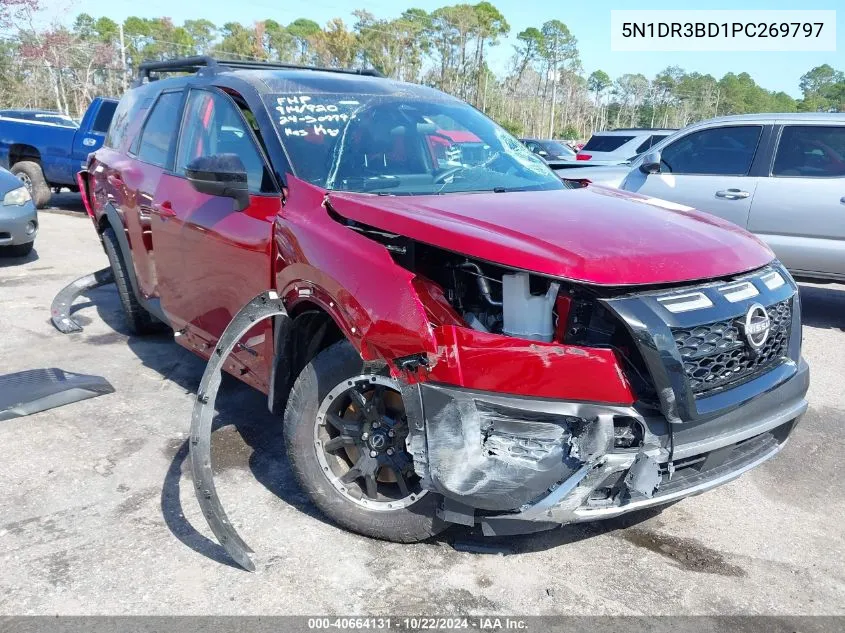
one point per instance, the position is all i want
(23, 151)
(309, 329)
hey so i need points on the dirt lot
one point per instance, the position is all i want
(99, 517)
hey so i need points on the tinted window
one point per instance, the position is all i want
(605, 143)
(126, 112)
(160, 129)
(811, 151)
(104, 117)
(645, 145)
(720, 151)
(214, 125)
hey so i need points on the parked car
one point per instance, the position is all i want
(549, 150)
(472, 343)
(48, 117)
(622, 144)
(18, 217)
(780, 176)
(46, 155)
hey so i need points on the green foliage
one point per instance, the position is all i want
(570, 132)
(513, 127)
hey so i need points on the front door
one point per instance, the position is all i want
(219, 258)
(800, 209)
(706, 169)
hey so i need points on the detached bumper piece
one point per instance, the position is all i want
(27, 392)
(61, 306)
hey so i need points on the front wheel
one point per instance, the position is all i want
(345, 434)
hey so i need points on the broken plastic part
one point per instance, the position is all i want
(263, 306)
(61, 306)
(644, 475)
(27, 392)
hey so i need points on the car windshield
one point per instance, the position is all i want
(401, 145)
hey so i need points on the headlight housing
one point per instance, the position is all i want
(17, 197)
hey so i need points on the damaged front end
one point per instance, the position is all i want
(590, 403)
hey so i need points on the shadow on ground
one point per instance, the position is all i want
(7, 261)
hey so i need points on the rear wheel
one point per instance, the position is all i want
(137, 318)
(345, 433)
(30, 174)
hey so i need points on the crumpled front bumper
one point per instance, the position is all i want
(518, 465)
(15, 225)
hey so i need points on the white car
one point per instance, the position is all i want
(621, 144)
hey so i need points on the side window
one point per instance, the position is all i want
(646, 144)
(811, 151)
(126, 112)
(160, 129)
(723, 151)
(104, 117)
(215, 125)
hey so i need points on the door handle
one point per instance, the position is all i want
(842, 199)
(165, 209)
(732, 194)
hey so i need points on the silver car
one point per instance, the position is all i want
(621, 144)
(18, 217)
(780, 176)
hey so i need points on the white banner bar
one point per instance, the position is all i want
(722, 30)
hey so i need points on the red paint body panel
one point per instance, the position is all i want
(593, 235)
(492, 362)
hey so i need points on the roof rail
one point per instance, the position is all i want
(198, 63)
(640, 129)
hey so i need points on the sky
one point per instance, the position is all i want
(588, 21)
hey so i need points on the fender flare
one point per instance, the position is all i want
(63, 301)
(264, 306)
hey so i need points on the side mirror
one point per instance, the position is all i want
(221, 175)
(651, 163)
(543, 152)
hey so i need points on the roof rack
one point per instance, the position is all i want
(211, 65)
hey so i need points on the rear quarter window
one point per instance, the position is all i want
(607, 143)
(126, 112)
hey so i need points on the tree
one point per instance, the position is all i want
(303, 31)
(559, 47)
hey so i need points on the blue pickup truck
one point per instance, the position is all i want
(45, 154)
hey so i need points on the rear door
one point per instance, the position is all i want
(213, 258)
(709, 169)
(138, 178)
(800, 209)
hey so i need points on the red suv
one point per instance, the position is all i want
(466, 339)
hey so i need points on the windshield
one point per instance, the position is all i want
(402, 146)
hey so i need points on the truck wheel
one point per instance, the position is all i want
(137, 318)
(18, 250)
(29, 173)
(345, 434)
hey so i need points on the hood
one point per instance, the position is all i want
(594, 235)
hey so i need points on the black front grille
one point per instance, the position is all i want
(716, 355)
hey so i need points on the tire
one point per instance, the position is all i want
(17, 250)
(331, 367)
(30, 173)
(137, 318)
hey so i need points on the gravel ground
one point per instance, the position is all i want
(99, 517)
